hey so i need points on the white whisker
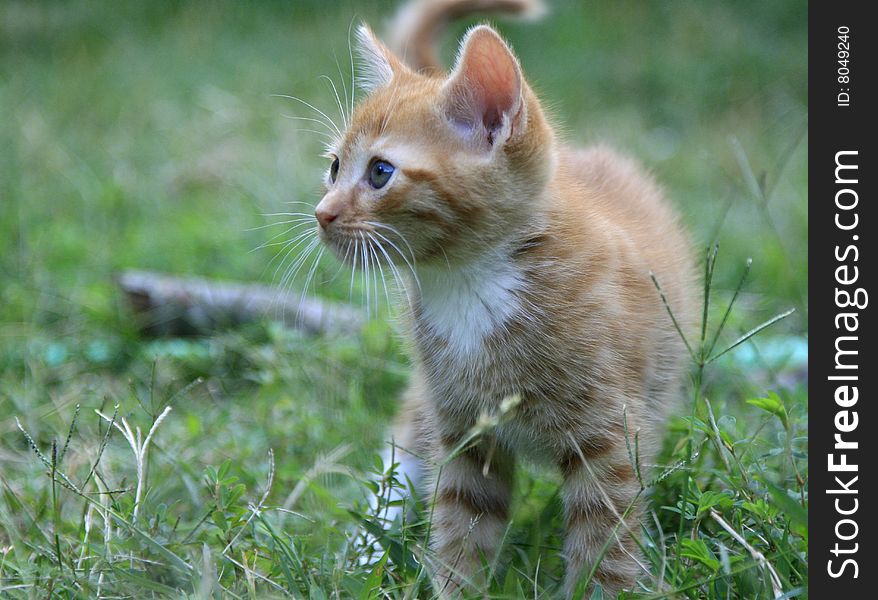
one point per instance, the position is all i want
(311, 120)
(281, 243)
(270, 241)
(403, 256)
(353, 70)
(290, 271)
(397, 232)
(293, 268)
(308, 279)
(288, 214)
(372, 244)
(391, 105)
(267, 225)
(396, 275)
(374, 283)
(296, 264)
(341, 110)
(314, 108)
(341, 264)
(344, 87)
(353, 270)
(308, 204)
(365, 278)
(322, 134)
(447, 262)
(290, 277)
(372, 261)
(292, 245)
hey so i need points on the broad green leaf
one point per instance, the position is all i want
(792, 510)
(773, 404)
(698, 551)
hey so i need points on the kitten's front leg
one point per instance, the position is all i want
(470, 514)
(599, 486)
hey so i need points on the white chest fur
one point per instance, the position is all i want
(464, 305)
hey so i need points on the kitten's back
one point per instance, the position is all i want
(608, 191)
(616, 223)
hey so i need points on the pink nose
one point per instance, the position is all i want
(325, 216)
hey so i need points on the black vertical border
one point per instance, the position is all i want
(834, 128)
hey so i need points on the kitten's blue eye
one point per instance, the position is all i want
(379, 173)
(333, 169)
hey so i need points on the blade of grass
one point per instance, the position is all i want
(682, 335)
(753, 332)
(728, 312)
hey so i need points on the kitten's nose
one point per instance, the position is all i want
(325, 214)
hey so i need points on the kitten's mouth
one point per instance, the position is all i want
(355, 246)
(370, 245)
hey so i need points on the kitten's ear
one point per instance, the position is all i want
(483, 93)
(378, 63)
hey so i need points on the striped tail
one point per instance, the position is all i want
(414, 31)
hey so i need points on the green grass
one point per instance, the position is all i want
(146, 136)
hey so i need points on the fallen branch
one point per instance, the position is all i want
(168, 305)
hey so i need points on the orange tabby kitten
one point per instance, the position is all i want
(530, 264)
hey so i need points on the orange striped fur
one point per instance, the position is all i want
(527, 265)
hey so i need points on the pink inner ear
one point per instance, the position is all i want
(498, 80)
(488, 83)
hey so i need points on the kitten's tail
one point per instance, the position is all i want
(415, 29)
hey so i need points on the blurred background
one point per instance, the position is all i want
(147, 136)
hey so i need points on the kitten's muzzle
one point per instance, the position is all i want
(329, 208)
(325, 215)
(347, 241)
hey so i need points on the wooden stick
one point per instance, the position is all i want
(168, 305)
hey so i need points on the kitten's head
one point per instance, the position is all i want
(436, 168)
